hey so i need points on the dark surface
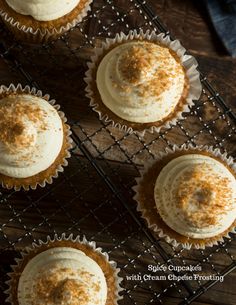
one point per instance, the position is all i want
(84, 201)
(189, 22)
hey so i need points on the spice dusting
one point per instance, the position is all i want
(145, 65)
(203, 196)
(135, 63)
(61, 286)
(14, 115)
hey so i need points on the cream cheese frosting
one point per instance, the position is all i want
(195, 196)
(43, 10)
(31, 135)
(62, 276)
(140, 81)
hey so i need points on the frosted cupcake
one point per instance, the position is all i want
(34, 138)
(41, 20)
(64, 271)
(142, 81)
(188, 196)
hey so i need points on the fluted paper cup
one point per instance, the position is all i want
(188, 62)
(108, 267)
(44, 177)
(36, 34)
(144, 196)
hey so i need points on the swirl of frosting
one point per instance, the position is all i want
(62, 276)
(31, 135)
(140, 81)
(43, 10)
(195, 195)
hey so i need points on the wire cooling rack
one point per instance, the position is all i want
(93, 197)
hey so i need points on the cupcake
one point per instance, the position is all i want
(64, 271)
(41, 20)
(188, 196)
(34, 138)
(142, 81)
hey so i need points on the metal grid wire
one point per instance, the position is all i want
(93, 196)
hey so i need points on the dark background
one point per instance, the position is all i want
(189, 21)
(79, 201)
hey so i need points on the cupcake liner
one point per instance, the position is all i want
(53, 171)
(29, 34)
(150, 213)
(189, 62)
(29, 252)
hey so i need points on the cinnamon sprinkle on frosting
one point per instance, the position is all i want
(141, 81)
(136, 62)
(203, 198)
(50, 288)
(195, 195)
(14, 115)
(136, 66)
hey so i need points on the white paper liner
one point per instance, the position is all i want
(71, 238)
(33, 91)
(215, 153)
(43, 35)
(189, 62)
